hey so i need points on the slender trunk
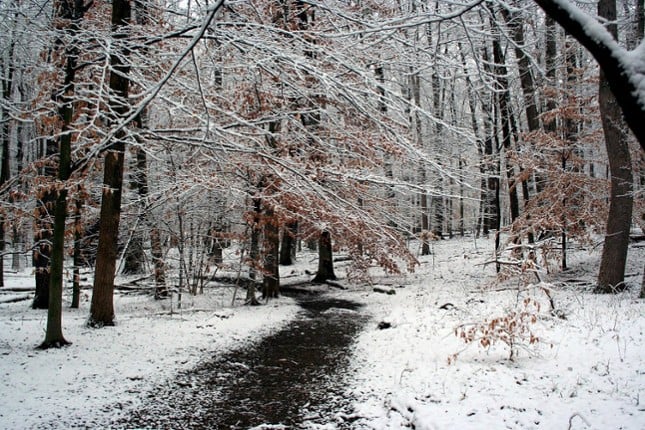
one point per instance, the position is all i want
(425, 221)
(215, 254)
(78, 237)
(642, 295)
(4, 176)
(461, 199)
(387, 162)
(42, 237)
(505, 112)
(254, 251)
(161, 291)
(102, 307)
(5, 171)
(54, 333)
(611, 275)
(16, 233)
(271, 269)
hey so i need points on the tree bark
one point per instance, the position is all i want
(505, 112)
(102, 307)
(43, 232)
(611, 275)
(254, 252)
(325, 259)
(288, 246)
(271, 279)
(78, 257)
(7, 70)
(54, 333)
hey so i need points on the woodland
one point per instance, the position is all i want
(142, 138)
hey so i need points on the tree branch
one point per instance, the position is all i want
(622, 73)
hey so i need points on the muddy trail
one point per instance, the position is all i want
(295, 378)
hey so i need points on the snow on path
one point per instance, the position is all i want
(113, 367)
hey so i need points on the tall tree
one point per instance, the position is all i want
(102, 307)
(7, 72)
(611, 275)
(73, 13)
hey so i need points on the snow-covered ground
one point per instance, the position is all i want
(585, 371)
(113, 367)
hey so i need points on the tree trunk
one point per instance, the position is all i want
(161, 291)
(41, 256)
(5, 171)
(254, 252)
(288, 248)
(617, 71)
(78, 237)
(102, 307)
(215, 253)
(4, 176)
(325, 259)
(642, 295)
(271, 279)
(505, 112)
(614, 254)
(425, 221)
(16, 233)
(54, 333)
(134, 253)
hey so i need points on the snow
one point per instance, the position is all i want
(632, 62)
(112, 367)
(586, 371)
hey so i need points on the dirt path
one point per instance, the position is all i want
(291, 379)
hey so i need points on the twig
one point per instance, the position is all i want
(577, 414)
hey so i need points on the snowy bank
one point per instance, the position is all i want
(111, 368)
(584, 372)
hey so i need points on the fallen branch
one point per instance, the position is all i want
(388, 291)
(15, 299)
(335, 284)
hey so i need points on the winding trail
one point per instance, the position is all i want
(295, 378)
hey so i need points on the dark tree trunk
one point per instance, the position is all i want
(134, 253)
(325, 259)
(642, 295)
(43, 233)
(505, 112)
(614, 254)
(5, 172)
(528, 89)
(158, 263)
(42, 252)
(288, 247)
(78, 257)
(102, 307)
(271, 279)
(134, 257)
(425, 220)
(54, 333)
(16, 232)
(4, 176)
(254, 252)
(215, 253)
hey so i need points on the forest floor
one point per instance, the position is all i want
(578, 366)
